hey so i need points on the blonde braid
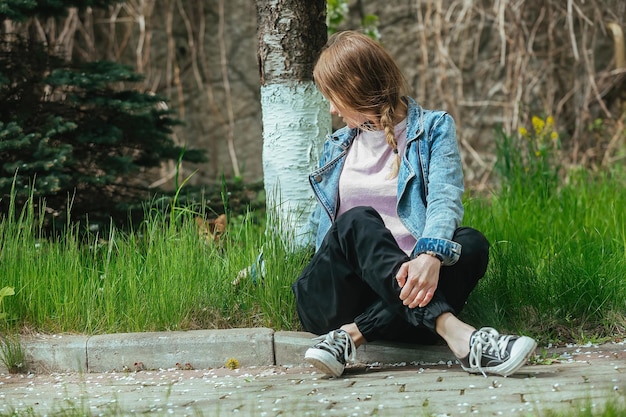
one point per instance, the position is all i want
(386, 120)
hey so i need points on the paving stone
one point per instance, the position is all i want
(387, 380)
(582, 380)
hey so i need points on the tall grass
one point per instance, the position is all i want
(160, 276)
(558, 264)
(557, 269)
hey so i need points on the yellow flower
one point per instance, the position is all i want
(232, 363)
(550, 121)
(522, 131)
(538, 124)
(554, 136)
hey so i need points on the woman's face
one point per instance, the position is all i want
(352, 118)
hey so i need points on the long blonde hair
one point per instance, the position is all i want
(356, 72)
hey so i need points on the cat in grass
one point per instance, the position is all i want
(211, 231)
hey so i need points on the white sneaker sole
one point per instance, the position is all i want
(522, 349)
(324, 361)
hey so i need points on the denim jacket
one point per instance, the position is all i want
(430, 183)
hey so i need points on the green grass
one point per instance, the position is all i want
(557, 269)
(11, 354)
(558, 264)
(161, 276)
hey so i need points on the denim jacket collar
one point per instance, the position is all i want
(343, 137)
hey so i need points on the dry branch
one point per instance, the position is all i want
(489, 62)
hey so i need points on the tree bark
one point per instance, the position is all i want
(295, 115)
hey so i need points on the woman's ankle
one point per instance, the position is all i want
(355, 334)
(456, 333)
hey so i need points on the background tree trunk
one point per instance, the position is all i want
(295, 116)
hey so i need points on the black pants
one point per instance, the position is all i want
(351, 278)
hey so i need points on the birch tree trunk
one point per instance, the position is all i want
(295, 115)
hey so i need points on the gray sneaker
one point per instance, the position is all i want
(332, 351)
(491, 352)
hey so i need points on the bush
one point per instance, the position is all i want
(68, 129)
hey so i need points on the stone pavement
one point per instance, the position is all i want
(184, 373)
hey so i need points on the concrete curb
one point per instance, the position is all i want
(197, 349)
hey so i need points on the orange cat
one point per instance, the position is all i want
(211, 230)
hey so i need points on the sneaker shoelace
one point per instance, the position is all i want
(339, 343)
(489, 341)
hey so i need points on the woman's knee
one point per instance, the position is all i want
(471, 240)
(475, 246)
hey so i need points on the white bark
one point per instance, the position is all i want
(296, 119)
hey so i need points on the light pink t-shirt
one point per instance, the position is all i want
(363, 181)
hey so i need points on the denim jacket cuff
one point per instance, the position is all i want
(448, 250)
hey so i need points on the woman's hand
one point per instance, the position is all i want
(418, 279)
